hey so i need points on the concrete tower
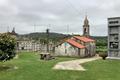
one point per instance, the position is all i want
(86, 29)
(114, 37)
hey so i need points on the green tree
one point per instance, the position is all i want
(7, 47)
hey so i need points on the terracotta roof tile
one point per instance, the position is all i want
(74, 43)
(84, 39)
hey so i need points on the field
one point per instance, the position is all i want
(29, 67)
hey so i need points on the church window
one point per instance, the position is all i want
(85, 30)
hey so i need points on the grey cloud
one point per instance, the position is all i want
(25, 14)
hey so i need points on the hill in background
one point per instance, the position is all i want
(100, 40)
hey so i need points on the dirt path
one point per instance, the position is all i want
(74, 64)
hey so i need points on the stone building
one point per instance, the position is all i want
(70, 48)
(25, 43)
(76, 46)
(88, 43)
(81, 46)
(28, 45)
(114, 37)
(86, 30)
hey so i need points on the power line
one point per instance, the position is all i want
(7, 28)
(73, 6)
(68, 29)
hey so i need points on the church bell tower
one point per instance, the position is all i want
(86, 26)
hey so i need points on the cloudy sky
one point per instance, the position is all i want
(62, 16)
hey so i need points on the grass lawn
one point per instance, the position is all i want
(31, 68)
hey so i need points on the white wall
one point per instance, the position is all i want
(70, 50)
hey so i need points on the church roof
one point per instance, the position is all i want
(13, 32)
(84, 39)
(86, 22)
(74, 43)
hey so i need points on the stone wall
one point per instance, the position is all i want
(66, 49)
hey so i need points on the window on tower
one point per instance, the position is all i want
(85, 30)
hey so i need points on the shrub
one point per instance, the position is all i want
(7, 47)
(103, 55)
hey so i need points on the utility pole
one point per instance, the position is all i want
(7, 28)
(47, 33)
(34, 28)
(35, 37)
(68, 29)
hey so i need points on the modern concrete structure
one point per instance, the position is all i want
(114, 37)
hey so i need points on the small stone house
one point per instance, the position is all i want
(88, 43)
(76, 46)
(70, 48)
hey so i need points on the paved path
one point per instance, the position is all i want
(74, 64)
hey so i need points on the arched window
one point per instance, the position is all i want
(85, 30)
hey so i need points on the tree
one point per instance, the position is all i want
(7, 47)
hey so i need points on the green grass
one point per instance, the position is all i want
(31, 68)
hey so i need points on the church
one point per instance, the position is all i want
(77, 46)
